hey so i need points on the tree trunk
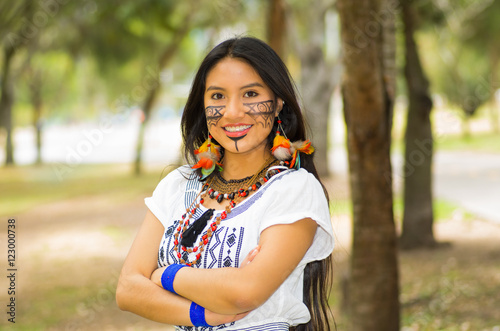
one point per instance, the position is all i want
(317, 92)
(148, 106)
(276, 30)
(494, 61)
(368, 94)
(36, 101)
(6, 102)
(318, 79)
(466, 134)
(418, 214)
(153, 91)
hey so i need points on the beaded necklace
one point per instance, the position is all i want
(220, 189)
(216, 188)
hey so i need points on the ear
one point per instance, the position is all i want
(279, 106)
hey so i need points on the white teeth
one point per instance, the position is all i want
(237, 128)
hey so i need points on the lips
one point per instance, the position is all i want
(237, 130)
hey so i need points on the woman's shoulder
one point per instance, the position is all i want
(297, 179)
(181, 173)
(177, 178)
(293, 189)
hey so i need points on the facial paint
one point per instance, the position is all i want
(213, 114)
(235, 139)
(262, 112)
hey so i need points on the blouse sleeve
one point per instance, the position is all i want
(295, 196)
(168, 195)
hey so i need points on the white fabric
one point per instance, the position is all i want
(286, 198)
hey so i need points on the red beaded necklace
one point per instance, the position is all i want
(248, 185)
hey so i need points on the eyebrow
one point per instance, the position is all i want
(212, 87)
(251, 85)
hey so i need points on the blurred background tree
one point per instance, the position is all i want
(482, 35)
(15, 35)
(320, 64)
(418, 216)
(465, 39)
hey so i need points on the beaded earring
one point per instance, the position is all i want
(208, 156)
(287, 151)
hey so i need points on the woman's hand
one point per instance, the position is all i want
(217, 319)
(249, 258)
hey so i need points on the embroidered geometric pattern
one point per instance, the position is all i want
(166, 252)
(231, 239)
(223, 249)
(203, 328)
(214, 254)
(227, 262)
(277, 326)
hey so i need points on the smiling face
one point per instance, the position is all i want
(240, 108)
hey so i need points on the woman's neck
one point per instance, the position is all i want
(237, 166)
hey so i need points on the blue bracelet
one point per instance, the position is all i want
(168, 275)
(197, 315)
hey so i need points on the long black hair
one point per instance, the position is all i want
(272, 70)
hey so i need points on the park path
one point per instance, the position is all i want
(466, 178)
(470, 179)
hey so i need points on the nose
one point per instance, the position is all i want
(234, 109)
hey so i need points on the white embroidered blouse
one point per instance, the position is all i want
(286, 198)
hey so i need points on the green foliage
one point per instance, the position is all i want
(462, 75)
(486, 142)
(456, 47)
(443, 209)
(55, 72)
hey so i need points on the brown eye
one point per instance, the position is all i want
(251, 94)
(217, 96)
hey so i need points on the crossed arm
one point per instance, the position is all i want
(227, 293)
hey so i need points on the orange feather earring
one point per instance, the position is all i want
(287, 151)
(208, 156)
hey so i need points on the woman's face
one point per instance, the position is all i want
(240, 108)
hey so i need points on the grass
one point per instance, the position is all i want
(61, 300)
(447, 293)
(477, 142)
(448, 131)
(66, 300)
(25, 187)
(443, 209)
(484, 142)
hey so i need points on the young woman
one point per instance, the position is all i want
(241, 240)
